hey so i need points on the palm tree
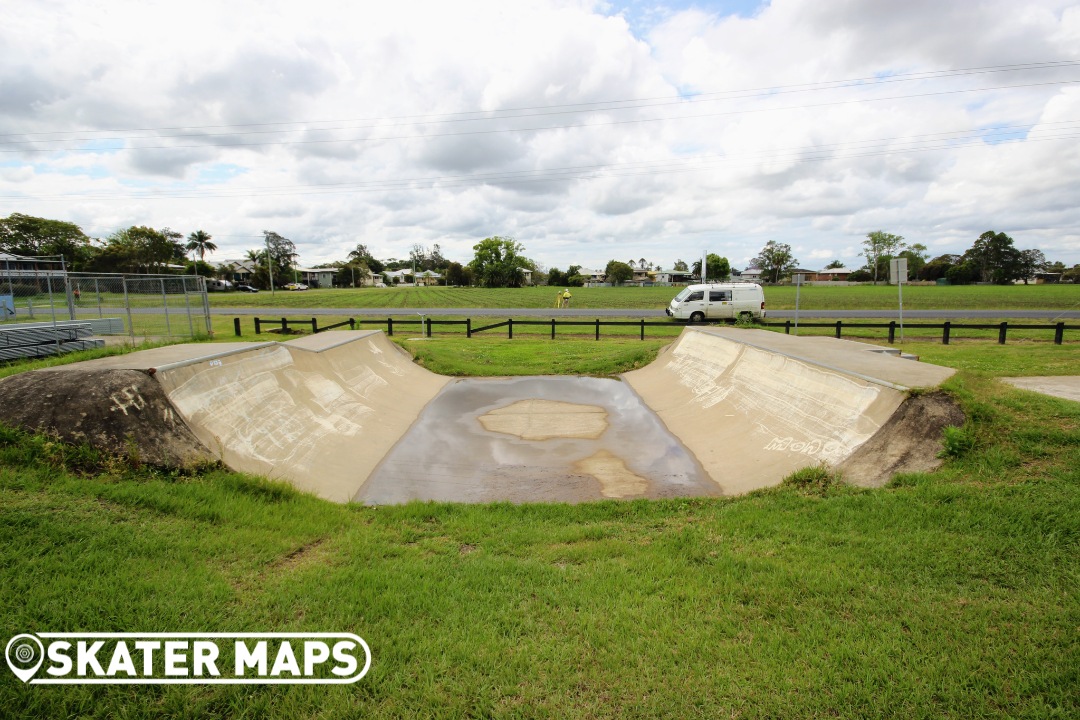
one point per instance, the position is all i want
(199, 242)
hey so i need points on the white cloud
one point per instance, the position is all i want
(397, 123)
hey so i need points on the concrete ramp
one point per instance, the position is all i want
(348, 415)
(320, 411)
(753, 406)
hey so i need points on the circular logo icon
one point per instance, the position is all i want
(25, 654)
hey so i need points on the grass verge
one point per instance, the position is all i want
(945, 594)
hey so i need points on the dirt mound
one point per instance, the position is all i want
(909, 441)
(125, 412)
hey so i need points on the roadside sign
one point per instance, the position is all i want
(897, 271)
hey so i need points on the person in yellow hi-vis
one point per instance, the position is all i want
(566, 298)
(558, 299)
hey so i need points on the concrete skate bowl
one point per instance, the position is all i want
(349, 416)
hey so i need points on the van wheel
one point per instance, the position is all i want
(697, 317)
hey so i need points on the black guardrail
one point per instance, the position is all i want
(838, 326)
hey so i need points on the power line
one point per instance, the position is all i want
(812, 153)
(548, 127)
(536, 111)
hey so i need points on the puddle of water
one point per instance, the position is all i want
(554, 439)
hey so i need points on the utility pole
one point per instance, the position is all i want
(269, 268)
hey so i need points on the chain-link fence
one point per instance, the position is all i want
(36, 290)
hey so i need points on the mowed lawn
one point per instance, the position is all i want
(863, 297)
(952, 594)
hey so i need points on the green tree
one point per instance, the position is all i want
(995, 258)
(200, 244)
(834, 265)
(938, 267)
(775, 260)
(718, 269)
(556, 277)
(28, 235)
(1031, 262)
(880, 245)
(618, 272)
(458, 274)
(681, 266)
(498, 261)
(282, 253)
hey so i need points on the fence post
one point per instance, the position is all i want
(510, 329)
(236, 326)
(428, 321)
(787, 327)
(97, 293)
(838, 322)
(552, 328)
(1059, 333)
(165, 302)
(127, 305)
(314, 326)
(892, 332)
(468, 328)
(258, 326)
(284, 325)
(352, 323)
(945, 332)
(597, 328)
(1001, 333)
(642, 328)
(390, 326)
(187, 306)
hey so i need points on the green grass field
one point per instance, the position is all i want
(952, 594)
(865, 297)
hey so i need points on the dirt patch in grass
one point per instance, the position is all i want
(910, 441)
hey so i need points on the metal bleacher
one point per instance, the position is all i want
(28, 340)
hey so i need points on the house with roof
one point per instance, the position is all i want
(830, 275)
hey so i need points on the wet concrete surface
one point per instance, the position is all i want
(551, 439)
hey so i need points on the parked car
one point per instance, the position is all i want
(718, 301)
(246, 288)
(296, 286)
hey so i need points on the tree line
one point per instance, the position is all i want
(497, 261)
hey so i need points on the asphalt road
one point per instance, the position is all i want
(1046, 315)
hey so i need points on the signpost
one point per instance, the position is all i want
(898, 275)
(798, 278)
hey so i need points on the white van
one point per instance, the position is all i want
(718, 301)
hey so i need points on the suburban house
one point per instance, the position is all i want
(317, 277)
(752, 274)
(240, 272)
(830, 275)
(671, 277)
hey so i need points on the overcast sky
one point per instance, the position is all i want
(585, 130)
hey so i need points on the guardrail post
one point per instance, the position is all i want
(1059, 333)
(258, 326)
(787, 327)
(236, 326)
(945, 332)
(552, 328)
(1001, 333)
(510, 329)
(642, 328)
(892, 332)
(838, 323)
(597, 328)
(390, 326)
(314, 326)
(468, 327)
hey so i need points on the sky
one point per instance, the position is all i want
(585, 130)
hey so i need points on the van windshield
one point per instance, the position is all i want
(682, 295)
